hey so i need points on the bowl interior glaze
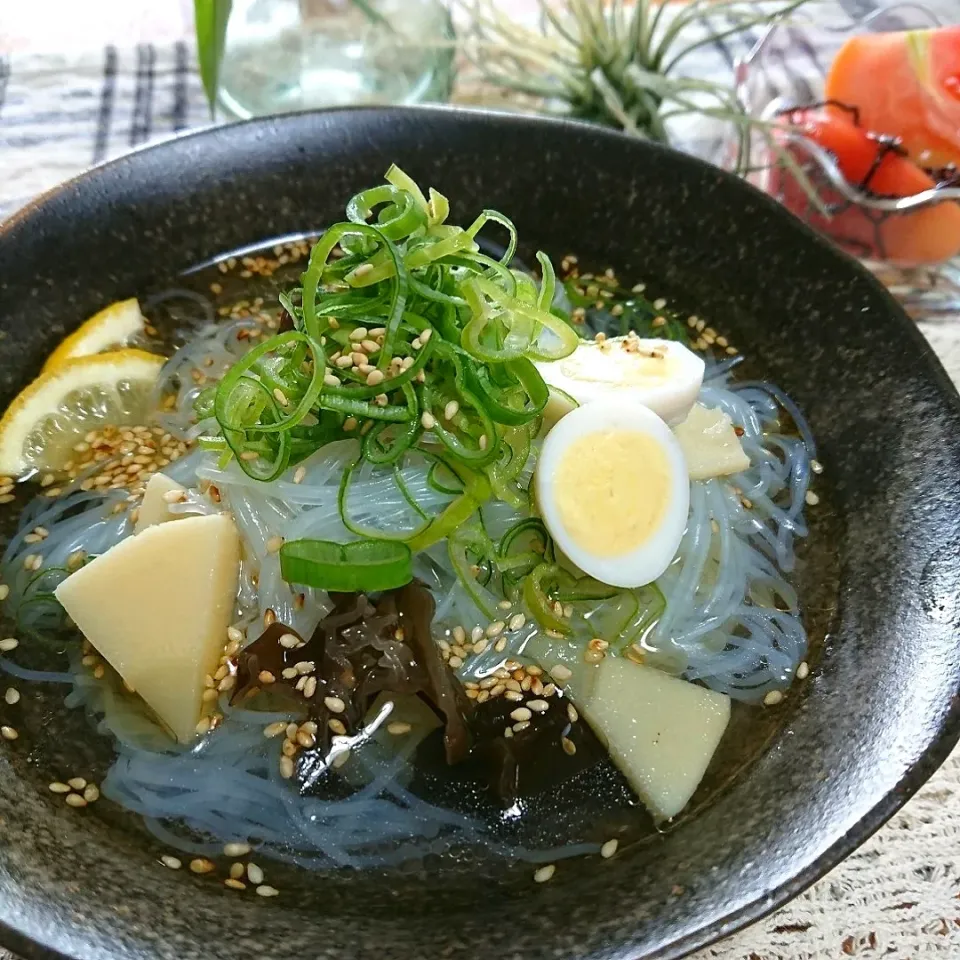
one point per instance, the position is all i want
(879, 576)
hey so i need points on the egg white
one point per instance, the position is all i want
(661, 374)
(645, 562)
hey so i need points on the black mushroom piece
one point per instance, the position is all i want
(357, 651)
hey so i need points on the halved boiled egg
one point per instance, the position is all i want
(613, 490)
(661, 374)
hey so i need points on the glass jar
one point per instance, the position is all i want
(283, 55)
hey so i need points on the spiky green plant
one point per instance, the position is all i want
(617, 64)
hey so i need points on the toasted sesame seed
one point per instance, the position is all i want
(538, 706)
(374, 377)
(572, 714)
(57, 787)
(334, 704)
(816, 466)
(482, 442)
(227, 683)
(803, 671)
(310, 687)
(359, 333)
(593, 656)
(428, 420)
(398, 728)
(233, 850)
(569, 747)
(75, 800)
(91, 793)
(337, 726)
(481, 645)
(516, 621)
(274, 729)
(289, 640)
(4, 591)
(286, 768)
(266, 677)
(234, 884)
(8, 733)
(78, 783)
(266, 891)
(544, 873)
(521, 713)
(201, 865)
(208, 696)
(459, 635)
(249, 455)
(773, 697)
(12, 695)
(811, 498)
(513, 695)
(174, 496)
(549, 690)
(520, 726)
(203, 726)
(306, 739)
(495, 629)
(476, 634)
(609, 849)
(171, 862)
(451, 410)
(455, 662)
(274, 544)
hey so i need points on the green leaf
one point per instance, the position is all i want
(211, 18)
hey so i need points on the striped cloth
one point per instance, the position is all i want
(61, 113)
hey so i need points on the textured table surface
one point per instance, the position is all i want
(899, 895)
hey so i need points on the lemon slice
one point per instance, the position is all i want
(50, 416)
(113, 327)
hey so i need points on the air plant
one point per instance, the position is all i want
(622, 65)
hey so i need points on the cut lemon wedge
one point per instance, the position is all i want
(110, 329)
(49, 417)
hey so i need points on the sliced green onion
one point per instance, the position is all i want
(476, 490)
(522, 405)
(403, 181)
(548, 286)
(535, 587)
(459, 544)
(399, 218)
(366, 565)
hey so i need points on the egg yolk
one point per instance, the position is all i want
(612, 489)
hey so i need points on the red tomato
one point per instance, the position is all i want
(906, 85)
(927, 235)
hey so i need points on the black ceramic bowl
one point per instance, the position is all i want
(879, 579)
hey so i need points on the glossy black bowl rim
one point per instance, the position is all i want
(947, 736)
